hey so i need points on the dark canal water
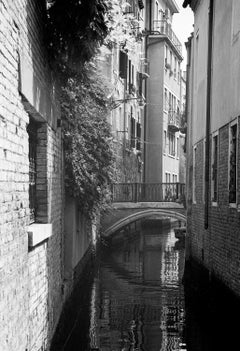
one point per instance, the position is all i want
(136, 299)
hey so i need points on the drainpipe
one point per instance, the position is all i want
(124, 130)
(145, 120)
(208, 110)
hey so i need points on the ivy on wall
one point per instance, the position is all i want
(76, 31)
(87, 136)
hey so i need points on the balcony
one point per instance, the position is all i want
(144, 67)
(173, 121)
(162, 27)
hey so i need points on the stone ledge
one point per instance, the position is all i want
(38, 232)
(145, 205)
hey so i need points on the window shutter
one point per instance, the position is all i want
(123, 60)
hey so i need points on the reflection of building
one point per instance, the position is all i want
(213, 106)
(163, 110)
(142, 292)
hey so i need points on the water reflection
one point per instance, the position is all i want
(139, 300)
(136, 301)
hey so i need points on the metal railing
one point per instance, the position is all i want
(174, 119)
(148, 192)
(164, 28)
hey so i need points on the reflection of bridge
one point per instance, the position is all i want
(133, 201)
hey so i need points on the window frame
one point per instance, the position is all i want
(231, 125)
(194, 198)
(214, 157)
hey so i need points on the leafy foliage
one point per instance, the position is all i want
(76, 28)
(121, 26)
(87, 138)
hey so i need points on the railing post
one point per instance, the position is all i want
(136, 192)
(177, 190)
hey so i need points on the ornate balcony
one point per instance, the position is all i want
(173, 121)
(163, 27)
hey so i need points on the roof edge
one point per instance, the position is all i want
(173, 6)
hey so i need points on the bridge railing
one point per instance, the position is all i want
(148, 192)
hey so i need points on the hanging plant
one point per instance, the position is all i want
(88, 152)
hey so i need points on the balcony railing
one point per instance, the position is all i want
(173, 121)
(148, 192)
(144, 67)
(162, 27)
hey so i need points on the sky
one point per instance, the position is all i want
(183, 26)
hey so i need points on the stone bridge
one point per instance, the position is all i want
(123, 213)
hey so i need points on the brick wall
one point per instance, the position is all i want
(218, 247)
(30, 280)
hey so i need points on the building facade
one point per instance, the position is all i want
(213, 111)
(38, 257)
(163, 109)
(124, 65)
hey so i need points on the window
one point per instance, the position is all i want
(133, 138)
(214, 168)
(166, 56)
(174, 178)
(168, 177)
(165, 141)
(129, 76)
(175, 67)
(123, 60)
(170, 101)
(171, 145)
(138, 136)
(32, 134)
(194, 174)
(233, 164)
(165, 99)
(203, 170)
(179, 72)
(177, 147)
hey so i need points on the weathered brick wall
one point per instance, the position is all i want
(30, 280)
(218, 247)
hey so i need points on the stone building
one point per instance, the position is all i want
(35, 279)
(213, 111)
(163, 109)
(125, 66)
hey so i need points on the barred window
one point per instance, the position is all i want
(32, 133)
(214, 168)
(233, 164)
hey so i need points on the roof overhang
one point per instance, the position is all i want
(172, 6)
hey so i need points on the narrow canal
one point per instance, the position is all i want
(135, 300)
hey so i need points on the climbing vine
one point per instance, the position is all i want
(87, 136)
(76, 31)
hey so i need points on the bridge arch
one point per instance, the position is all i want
(140, 215)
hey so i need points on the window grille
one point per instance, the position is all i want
(32, 133)
(215, 168)
(233, 165)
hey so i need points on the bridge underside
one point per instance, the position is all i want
(122, 214)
